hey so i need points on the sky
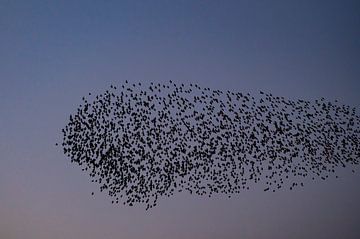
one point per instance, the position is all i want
(54, 52)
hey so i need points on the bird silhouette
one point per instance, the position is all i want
(143, 143)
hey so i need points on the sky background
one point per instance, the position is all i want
(54, 52)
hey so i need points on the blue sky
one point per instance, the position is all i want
(54, 52)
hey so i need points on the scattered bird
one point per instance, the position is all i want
(141, 143)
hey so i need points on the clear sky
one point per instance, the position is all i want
(54, 52)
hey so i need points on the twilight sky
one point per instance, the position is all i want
(54, 52)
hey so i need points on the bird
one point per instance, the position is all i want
(141, 143)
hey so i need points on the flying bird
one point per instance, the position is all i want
(142, 143)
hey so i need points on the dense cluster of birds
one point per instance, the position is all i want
(143, 142)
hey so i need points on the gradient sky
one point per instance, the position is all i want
(54, 52)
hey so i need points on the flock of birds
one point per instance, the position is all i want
(142, 143)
